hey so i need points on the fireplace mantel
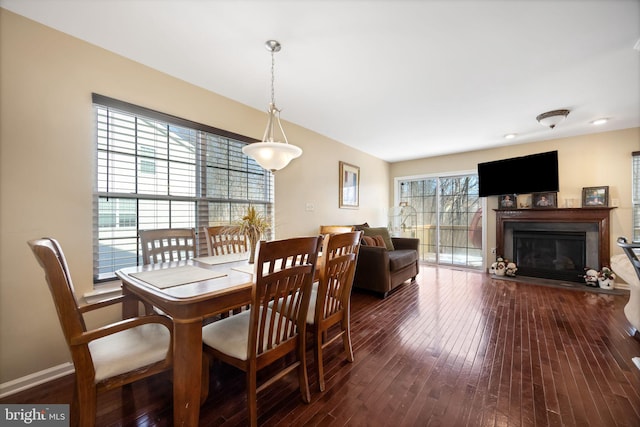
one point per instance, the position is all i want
(600, 216)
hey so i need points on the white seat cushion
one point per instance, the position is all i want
(231, 335)
(129, 350)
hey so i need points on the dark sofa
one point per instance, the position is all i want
(380, 270)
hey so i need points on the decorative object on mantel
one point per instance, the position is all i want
(252, 225)
(502, 267)
(552, 118)
(270, 153)
(545, 200)
(605, 278)
(524, 201)
(595, 197)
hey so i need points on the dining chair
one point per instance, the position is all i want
(167, 244)
(225, 239)
(257, 337)
(333, 229)
(330, 304)
(109, 356)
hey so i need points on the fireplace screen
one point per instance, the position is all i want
(552, 255)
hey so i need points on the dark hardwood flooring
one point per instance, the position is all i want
(457, 348)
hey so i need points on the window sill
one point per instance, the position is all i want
(104, 290)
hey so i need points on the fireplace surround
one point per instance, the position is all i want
(554, 243)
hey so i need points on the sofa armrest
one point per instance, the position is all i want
(372, 269)
(406, 243)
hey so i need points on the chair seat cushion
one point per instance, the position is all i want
(621, 265)
(401, 258)
(129, 350)
(231, 335)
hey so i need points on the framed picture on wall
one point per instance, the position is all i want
(595, 196)
(349, 191)
(545, 200)
(507, 201)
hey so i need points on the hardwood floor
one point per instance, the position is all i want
(457, 348)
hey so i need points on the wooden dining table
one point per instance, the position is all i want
(211, 288)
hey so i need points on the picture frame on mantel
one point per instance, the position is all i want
(507, 201)
(593, 197)
(349, 191)
(545, 200)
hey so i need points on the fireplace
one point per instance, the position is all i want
(554, 243)
(550, 254)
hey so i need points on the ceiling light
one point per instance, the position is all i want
(510, 135)
(552, 118)
(599, 121)
(270, 153)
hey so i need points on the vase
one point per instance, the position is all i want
(606, 283)
(252, 250)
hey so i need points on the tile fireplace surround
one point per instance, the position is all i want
(594, 221)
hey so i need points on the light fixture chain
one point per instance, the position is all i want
(273, 93)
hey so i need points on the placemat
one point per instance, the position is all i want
(221, 259)
(176, 276)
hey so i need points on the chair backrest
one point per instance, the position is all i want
(225, 239)
(51, 258)
(334, 229)
(284, 277)
(339, 255)
(628, 249)
(167, 244)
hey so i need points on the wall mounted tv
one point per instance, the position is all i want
(535, 173)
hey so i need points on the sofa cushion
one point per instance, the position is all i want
(380, 231)
(401, 258)
(373, 241)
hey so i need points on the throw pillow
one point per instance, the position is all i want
(380, 231)
(373, 241)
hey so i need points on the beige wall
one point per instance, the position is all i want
(584, 161)
(47, 171)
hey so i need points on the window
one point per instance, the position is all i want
(159, 171)
(449, 218)
(635, 195)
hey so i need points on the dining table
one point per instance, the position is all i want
(188, 291)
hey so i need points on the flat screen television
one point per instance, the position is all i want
(535, 173)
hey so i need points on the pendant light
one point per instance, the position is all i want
(270, 153)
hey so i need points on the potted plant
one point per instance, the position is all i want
(253, 225)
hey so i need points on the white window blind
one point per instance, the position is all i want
(159, 171)
(635, 195)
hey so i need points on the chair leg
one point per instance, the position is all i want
(87, 403)
(252, 396)
(317, 354)
(204, 386)
(303, 378)
(346, 339)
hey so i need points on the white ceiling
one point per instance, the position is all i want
(399, 79)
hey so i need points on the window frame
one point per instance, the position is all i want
(214, 153)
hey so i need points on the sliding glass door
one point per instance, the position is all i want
(449, 218)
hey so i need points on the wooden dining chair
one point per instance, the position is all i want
(167, 244)
(259, 336)
(330, 304)
(109, 356)
(225, 239)
(334, 229)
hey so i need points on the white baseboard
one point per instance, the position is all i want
(37, 378)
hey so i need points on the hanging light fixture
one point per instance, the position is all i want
(552, 118)
(270, 153)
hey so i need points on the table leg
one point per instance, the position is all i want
(187, 371)
(129, 305)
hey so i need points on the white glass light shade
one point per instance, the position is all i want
(552, 118)
(272, 155)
